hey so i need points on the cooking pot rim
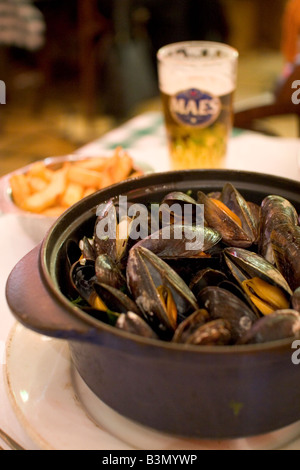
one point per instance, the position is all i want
(144, 182)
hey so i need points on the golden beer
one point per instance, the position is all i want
(198, 147)
(197, 84)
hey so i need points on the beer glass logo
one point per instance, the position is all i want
(195, 108)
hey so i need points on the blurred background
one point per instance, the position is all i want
(75, 69)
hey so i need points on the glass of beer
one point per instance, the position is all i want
(197, 81)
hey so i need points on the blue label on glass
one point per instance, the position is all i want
(195, 108)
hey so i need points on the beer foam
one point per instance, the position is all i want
(215, 83)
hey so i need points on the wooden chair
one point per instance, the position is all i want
(278, 103)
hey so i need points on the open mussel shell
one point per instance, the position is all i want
(247, 213)
(73, 253)
(261, 281)
(111, 235)
(275, 211)
(108, 272)
(178, 205)
(181, 241)
(236, 225)
(133, 323)
(178, 197)
(106, 230)
(280, 325)
(285, 242)
(147, 277)
(82, 279)
(222, 304)
(72, 256)
(115, 300)
(86, 247)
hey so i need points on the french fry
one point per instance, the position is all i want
(111, 162)
(122, 168)
(36, 183)
(39, 170)
(107, 180)
(43, 200)
(84, 177)
(73, 193)
(96, 164)
(20, 189)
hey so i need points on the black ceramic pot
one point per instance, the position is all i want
(195, 392)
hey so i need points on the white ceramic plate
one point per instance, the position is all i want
(59, 412)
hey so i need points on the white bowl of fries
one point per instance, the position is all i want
(39, 193)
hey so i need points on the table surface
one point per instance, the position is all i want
(145, 137)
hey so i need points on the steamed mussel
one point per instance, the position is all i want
(280, 325)
(275, 211)
(160, 293)
(228, 277)
(265, 287)
(231, 216)
(285, 242)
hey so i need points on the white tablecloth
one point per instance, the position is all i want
(145, 138)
